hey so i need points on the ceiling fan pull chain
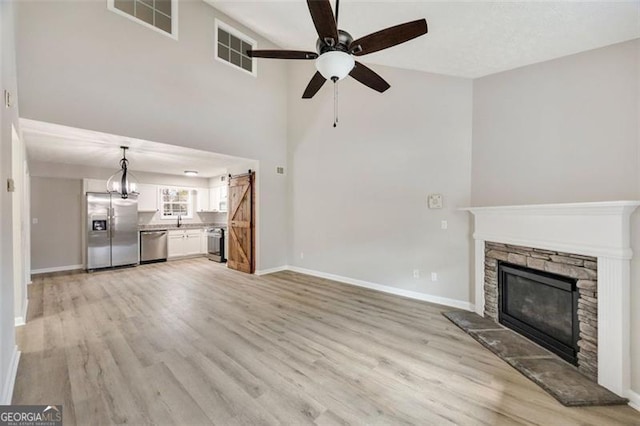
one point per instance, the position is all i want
(335, 103)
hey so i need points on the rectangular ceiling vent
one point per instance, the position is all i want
(232, 46)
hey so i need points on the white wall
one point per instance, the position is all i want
(20, 209)
(56, 240)
(8, 118)
(359, 191)
(124, 79)
(563, 131)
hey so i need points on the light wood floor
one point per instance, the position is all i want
(190, 342)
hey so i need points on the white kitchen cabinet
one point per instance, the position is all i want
(222, 202)
(202, 200)
(185, 242)
(218, 198)
(175, 244)
(193, 242)
(147, 198)
(204, 242)
(214, 196)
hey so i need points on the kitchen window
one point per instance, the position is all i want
(232, 46)
(159, 15)
(176, 202)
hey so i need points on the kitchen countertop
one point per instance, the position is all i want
(174, 226)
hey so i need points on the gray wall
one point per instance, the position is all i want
(81, 65)
(8, 118)
(563, 131)
(56, 240)
(359, 191)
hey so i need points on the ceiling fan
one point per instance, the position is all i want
(335, 49)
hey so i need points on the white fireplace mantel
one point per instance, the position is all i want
(599, 229)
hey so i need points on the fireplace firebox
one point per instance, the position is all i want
(541, 306)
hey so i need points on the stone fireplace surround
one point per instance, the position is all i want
(582, 268)
(598, 229)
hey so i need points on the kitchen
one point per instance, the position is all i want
(177, 208)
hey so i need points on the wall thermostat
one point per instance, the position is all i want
(434, 201)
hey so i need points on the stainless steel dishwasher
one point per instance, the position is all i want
(153, 246)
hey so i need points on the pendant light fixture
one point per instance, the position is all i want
(123, 182)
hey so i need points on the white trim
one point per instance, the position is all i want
(588, 208)
(271, 270)
(57, 269)
(459, 304)
(174, 19)
(634, 399)
(7, 388)
(583, 249)
(231, 30)
(479, 276)
(22, 319)
(600, 229)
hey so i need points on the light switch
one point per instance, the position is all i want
(34, 221)
(434, 201)
(444, 224)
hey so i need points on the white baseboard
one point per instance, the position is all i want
(22, 319)
(7, 388)
(459, 304)
(57, 269)
(634, 399)
(271, 270)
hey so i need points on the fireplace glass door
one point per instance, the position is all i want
(540, 306)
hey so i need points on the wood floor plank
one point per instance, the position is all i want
(191, 342)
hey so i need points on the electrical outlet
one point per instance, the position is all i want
(416, 273)
(11, 185)
(301, 255)
(7, 99)
(444, 224)
(434, 201)
(34, 221)
(434, 276)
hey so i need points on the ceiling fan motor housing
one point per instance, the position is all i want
(344, 41)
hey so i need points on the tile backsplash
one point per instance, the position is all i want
(153, 218)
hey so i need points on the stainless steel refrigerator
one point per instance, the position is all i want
(112, 230)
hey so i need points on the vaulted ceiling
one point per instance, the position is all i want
(467, 39)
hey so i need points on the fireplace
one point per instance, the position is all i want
(558, 237)
(541, 306)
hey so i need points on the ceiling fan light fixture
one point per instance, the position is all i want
(335, 64)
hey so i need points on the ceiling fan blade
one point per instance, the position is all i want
(314, 85)
(368, 77)
(388, 37)
(281, 54)
(323, 19)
